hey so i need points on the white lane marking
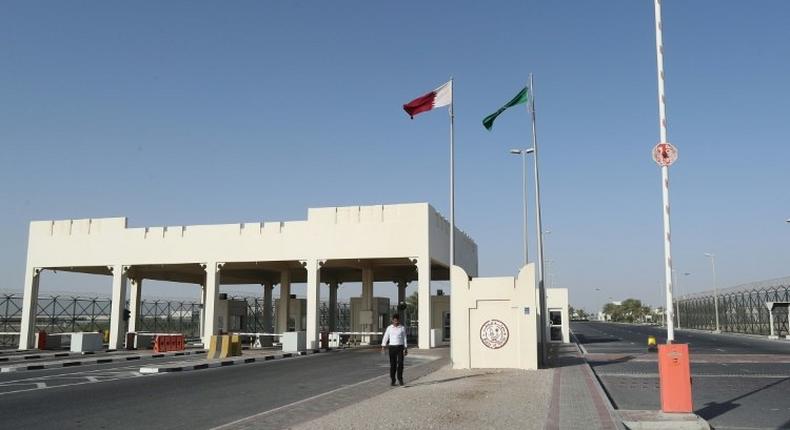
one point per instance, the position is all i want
(70, 379)
(260, 414)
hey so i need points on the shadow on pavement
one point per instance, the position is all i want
(588, 340)
(441, 381)
(714, 409)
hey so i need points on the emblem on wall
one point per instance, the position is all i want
(494, 334)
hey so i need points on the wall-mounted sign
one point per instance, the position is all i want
(494, 334)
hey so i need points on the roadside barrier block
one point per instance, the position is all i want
(168, 342)
(223, 346)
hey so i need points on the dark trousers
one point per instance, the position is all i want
(396, 362)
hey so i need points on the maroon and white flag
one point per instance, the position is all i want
(442, 96)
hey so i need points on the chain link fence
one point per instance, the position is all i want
(742, 309)
(59, 314)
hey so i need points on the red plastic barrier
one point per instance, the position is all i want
(42, 340)
(169, 342)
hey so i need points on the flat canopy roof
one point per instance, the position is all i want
(390, 239)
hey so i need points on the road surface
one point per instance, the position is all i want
(272, 394)
(739, 381)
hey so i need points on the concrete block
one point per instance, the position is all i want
(436, 337)
(294, 341)
(657, 420)
(144, 341)
(86, 342)
(52, 342)
(334, 340)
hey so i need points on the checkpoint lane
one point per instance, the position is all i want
(607, 337)
(201, 399)
(738, 381)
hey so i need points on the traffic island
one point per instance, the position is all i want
(104, 359)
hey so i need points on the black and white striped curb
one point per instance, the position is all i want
(102, 360)
(30, 355)
(209, 364)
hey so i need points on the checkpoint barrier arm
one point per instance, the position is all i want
(351, 337)
(259, 342)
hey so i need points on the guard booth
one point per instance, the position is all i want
(370, 320)
(231, 314)
(559, 318)
(297, 315)
(440, 319)
(777, 309)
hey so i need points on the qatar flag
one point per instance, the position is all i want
(439, 97)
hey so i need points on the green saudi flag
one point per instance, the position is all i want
(521, 97)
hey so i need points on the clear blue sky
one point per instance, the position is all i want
(187, 112)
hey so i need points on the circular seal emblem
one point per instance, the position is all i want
(664, 154)
(494, 334)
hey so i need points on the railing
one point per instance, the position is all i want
(742, 309)
(57, 314)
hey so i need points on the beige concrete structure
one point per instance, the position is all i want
(395, 243)
(557, 306)
(494, 321)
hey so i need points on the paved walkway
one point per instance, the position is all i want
(578, 401)
(566, 396)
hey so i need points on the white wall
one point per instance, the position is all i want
(482, 303)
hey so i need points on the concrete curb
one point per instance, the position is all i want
(210, 364)
(657, 420)
(103, 360)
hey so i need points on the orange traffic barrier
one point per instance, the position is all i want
(674, 374)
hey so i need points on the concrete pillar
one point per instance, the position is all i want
(332, 317)
(424, 302)
(210, 324)
(402, 291)
(313, 268)
(135, 294)
(268, 286)
(366, 305)
(203, 309)
(118, 306)
(367, 288)
(285, 300)
(29, 309)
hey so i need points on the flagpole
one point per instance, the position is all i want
(452, 176)
(539, 222)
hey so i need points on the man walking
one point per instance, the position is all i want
(396, 337)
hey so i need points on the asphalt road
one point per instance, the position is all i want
(271, 394)
(739, 382)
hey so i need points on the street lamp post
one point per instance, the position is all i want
(524, 153)
(715, 289)
(677, 300)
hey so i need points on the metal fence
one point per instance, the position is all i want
(742, 309)
(58, 314)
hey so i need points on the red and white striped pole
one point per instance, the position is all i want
(662, 114)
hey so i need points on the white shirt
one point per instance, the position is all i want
(395, 336)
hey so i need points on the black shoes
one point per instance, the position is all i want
(400, 383)
(393, 384)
